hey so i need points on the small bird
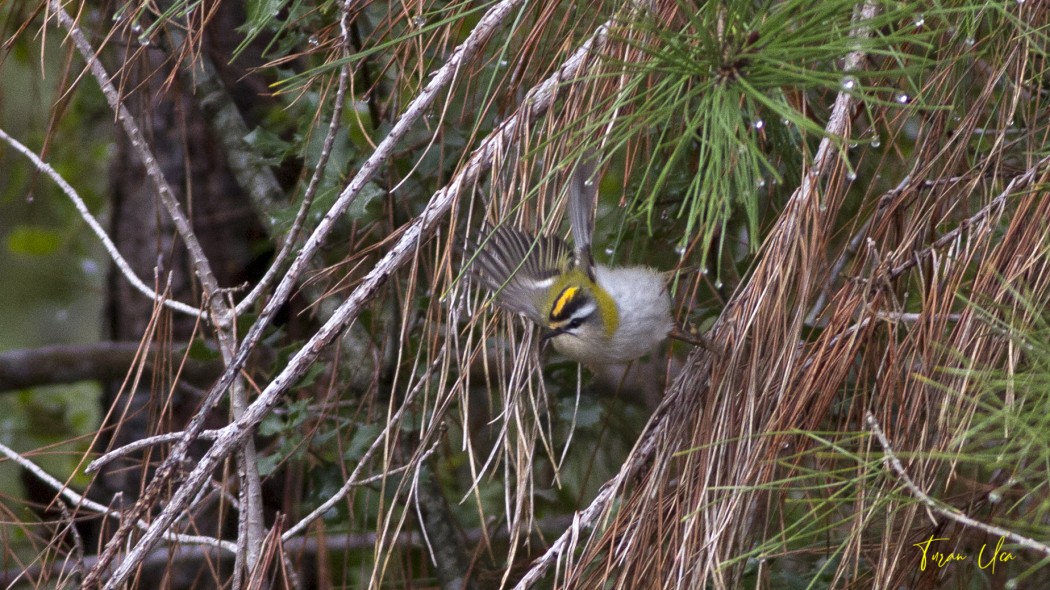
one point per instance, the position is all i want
(594, 314)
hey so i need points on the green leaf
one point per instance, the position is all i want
(268, 145)
(369, 193)
(363, 438)
(33, 241)
(271, 425)
(201, 351)
(260, 13)
(268, 464)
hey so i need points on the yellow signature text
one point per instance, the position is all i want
(986, 558)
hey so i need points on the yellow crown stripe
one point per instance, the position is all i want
(563, 300)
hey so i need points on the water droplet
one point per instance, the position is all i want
(758, 124)
(144, 40)
(995, 497)
(849, 83)
(313, 41)
(608, 251)
(89, 267)
(419, 21)
(970, 41)
(823, 207)
(718, 283)
(680, 251)
(588, 182)
(503, 63)
(761, 183)
(876, 142)
(920, 20)
(785, 122)
(704, 271)
(902, 98)
(852, 145)
(851, 176)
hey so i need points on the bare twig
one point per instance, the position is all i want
(201, 266)
(96, 228)
(143, 443)
(220, 313)
(334, 125)
(584, 519)
(393, 422)
(83, 502)
(1016, 184)
(893, 464)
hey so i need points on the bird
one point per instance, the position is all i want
(594, 314)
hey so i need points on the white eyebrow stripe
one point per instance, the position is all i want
(584, 311)
(545, 283)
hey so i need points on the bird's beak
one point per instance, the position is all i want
(551, 334)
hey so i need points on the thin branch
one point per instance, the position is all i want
(584, 519)
(111, 248)
(201, 266)
(536, 102)
(893, 464)
(1016, 184)
(334, 125)
(220, 314)
(98, 361)
(83, 502)
(392, 423)
(143, 443)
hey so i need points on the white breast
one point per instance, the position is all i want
(644, 306)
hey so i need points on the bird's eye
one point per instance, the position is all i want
(575, 323)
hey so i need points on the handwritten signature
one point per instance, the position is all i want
(986, 559)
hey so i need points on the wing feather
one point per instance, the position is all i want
(518, 268)
(583, 198)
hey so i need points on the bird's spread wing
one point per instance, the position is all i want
(519, 269)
